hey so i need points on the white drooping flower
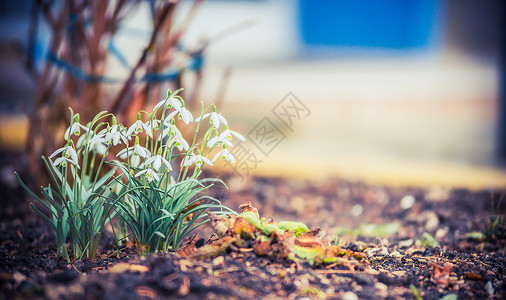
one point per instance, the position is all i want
(217, 140)
(116, 134)
(149, 174)
(225, 155)
(180, 143)
(170, 129)
(152, 125)
(157, 161)
(68, 155)
(138, 126)
(95, 142)
(171, 102)
(134, 153)
(199, 160)
(135, 150)
(183, 114)
(75, 129)
(227, 135)
(214, 118)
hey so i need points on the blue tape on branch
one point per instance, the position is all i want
(119, 56)
(78, 73)
(195, 64)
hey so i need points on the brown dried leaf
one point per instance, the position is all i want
(441, 274)
(244, 228)
(334, 251)
(308, 241)
(138, 268)
(213, 250)
(219, 224)
(190, 207)
(262, 248)
(473, 276)
(119, 268)
(246, 206)
(145, 292)
(184, 288)
(186, 251)
(314, 232)
(124, 267)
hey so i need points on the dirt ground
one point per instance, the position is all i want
(400, 242)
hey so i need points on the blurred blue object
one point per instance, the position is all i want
(394, 24)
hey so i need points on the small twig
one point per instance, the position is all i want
(339, 272)
(235, 269)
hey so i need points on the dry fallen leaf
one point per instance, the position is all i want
(189, 217)
(138, 268)
(441, 274)
(244, 228)
(119, 268)
(308, 241)
(124, 267)
(213, 250)
(145, 292)
(246, 206)
(262, 248)
(184, 288)
(219, 224)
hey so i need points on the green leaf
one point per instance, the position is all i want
(158, 233)
(428, 241)
(297, 227)
(451, 296)
(253, 219)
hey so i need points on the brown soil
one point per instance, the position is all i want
(397, 265)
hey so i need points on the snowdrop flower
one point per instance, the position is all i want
(217, 140)
(180, 142)
(171, 102)
(96, 142)
(227, 135)
(183, 114)
(75, 129)
(225, 155)
(152, 125)
(199, 160)
(157, 161)
(149, 174)
(68, 155)
(138, 126)
(170, 129)
(214, 118)
(134, 151)
(115, 135)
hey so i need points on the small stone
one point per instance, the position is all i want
(405, 243)
(407, 201)
(396, 254)
(431, 220)
(218, 261)
(119, 268)
(364, 280)
(489, 288)
(383, 251)
(441, 233)
(437, 194)
(350, 296)
(357, 210)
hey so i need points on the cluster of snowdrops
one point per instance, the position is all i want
(152, 189)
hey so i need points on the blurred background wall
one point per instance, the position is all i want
(400, 91)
